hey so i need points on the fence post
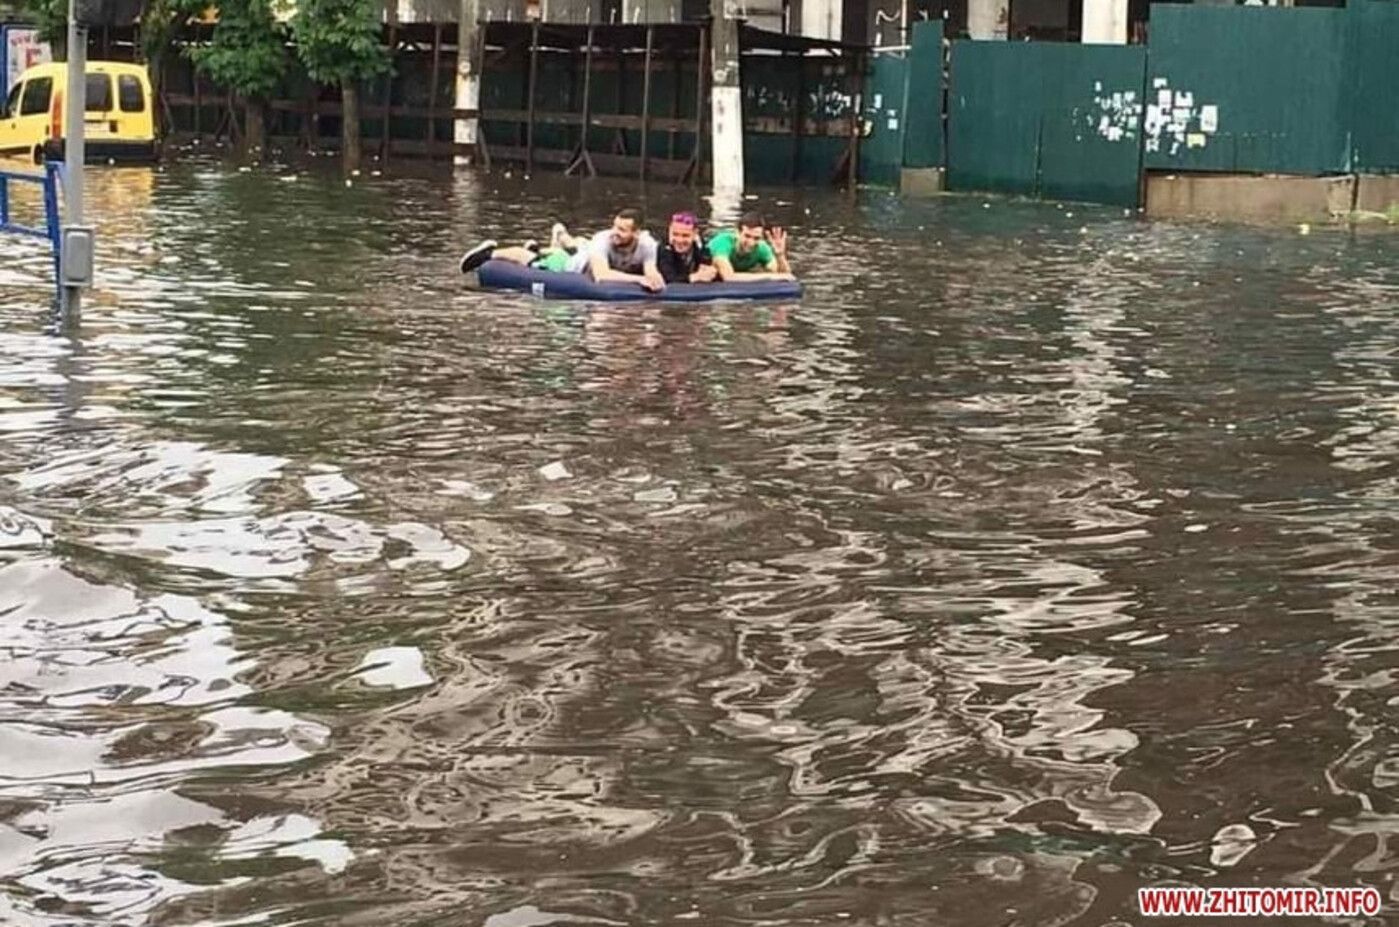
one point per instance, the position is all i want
(53, 223)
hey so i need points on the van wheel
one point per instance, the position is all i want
(38, 154)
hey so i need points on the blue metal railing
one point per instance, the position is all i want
(49, 181)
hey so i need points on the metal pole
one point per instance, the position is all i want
(73, 154)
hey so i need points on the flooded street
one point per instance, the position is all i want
(1037, 555)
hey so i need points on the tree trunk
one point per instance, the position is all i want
(349, 125)
(157, 75)
(255, 138)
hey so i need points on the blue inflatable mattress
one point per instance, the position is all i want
(503, 275)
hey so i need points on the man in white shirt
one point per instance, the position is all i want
(625, 253)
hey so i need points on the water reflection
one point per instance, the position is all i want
(1028, 560)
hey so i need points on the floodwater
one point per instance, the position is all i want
(1038, 555)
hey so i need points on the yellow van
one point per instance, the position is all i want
(119, 117)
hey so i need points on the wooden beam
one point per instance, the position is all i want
(581, 155)
(674, 101)
(799, 117)
(371, 111)
(857, 122)
(701, 69)
(619, 141)
(388, 87)
(646, 102)
(600, 120)
(431, 133)
(532, 88)
(619, 165)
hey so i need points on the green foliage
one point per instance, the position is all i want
(51, 16)
(159, 21)
(338, 40)
(248, 53)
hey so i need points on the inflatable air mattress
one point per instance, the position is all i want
(503, 275)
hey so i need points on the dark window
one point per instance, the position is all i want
(99, 93)
(36, 96)
(12, 104)
(130, 95)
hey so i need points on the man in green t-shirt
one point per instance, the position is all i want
(751, 251)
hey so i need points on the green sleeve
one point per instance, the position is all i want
(765, 254)
(722, 246)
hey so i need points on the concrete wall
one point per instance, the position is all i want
(821, 19)
(1248, 198)
(1105, 22)
(424, 11)
(1377, 193)
(761, 14)
(922, 181)
(988, 19)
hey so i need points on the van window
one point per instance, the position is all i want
(36, 96)
(129, 94)
(12, 104)
(99, 93)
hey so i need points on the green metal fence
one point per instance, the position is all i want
(923, 129)
(797, 117)
(1248, 88)
(1372, 65)
(1045, 119)
(884, 122)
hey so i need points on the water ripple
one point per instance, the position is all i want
(1029, 559)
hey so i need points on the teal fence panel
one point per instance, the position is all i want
(923, 131)
(1373, 64)
(784, 93)
(1047, 119)
(1091, 126)
(993, 117)
(882, 145)
(1248, 89)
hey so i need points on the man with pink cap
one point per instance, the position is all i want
(683, 258)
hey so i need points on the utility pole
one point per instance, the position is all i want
(726, 102)
(468, 84)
